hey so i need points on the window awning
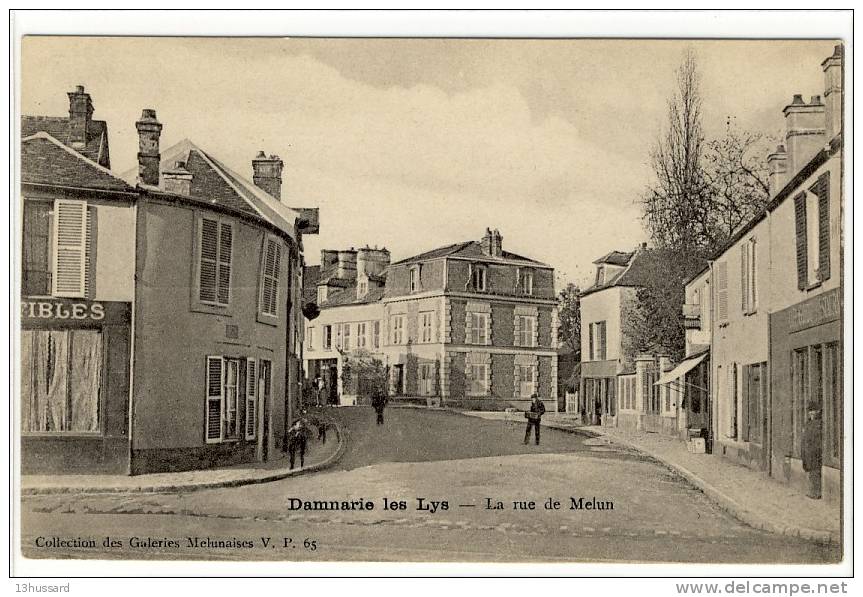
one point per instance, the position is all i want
(681, 370)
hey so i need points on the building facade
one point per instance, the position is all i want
(179, 300)
(467, 325)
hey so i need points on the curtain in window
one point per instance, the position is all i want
(48, 391)
(27, 413)
(85, 380)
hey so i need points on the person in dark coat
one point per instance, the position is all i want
(379, 401)
(298, 436)
(534, 417)
(812, 449)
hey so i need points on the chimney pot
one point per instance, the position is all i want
(797, 99)
(261, 156)
(79, 89)
(815, 99)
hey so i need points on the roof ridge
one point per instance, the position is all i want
(77, 154)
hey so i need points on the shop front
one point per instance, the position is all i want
(74, 386)
(806, 359)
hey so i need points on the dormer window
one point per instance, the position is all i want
(362, 288)
(414, 280)
(525, 281)
(322, 294)
(478, 278)
(600, 275)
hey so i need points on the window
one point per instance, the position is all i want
(37, 238)
(310, 338)
(600, 275)
(524, 280)
(477, 331)
(362, 340)
(251, 398)
(754, 400)
(732, 401)
(414, 275)
(346, 336)
(478, 275)
(477, 378)
(721, 272)
(322, 294)
(397, 324)
(272, 259)
(748, 288)
(525, 330)
(597, 345)
(427, 326)
(328, 337)
(214, 265)
(339, 336)
(222, 399)
(61, 380)
(812, 232)
(362, 288)
(426, 375)
(832, 415)
(799, 397)
(376, 334)
(651, 391)
(526, 380)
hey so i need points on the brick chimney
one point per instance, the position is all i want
(347, 265)
(496, 243)
(149, 131)
(80, 115)
(372, 262)
(486, 242)
(267, 174)
(833, 91)
(329, 257)
(777, 166)
(177, 179)
(804, 124)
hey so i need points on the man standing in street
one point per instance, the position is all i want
(534, 418)
(379, 401)
(812, 449)
(297, 438)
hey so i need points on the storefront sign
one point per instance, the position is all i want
(53, 311)
(815, 311)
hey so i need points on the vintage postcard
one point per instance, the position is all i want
(435, 300)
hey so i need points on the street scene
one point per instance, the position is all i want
(432, 300)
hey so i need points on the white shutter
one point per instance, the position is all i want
(70, 248)
(468, 328)
(251, 398)
(722, 291)
(517, 378)
(487, 369)
(487, 329)
(214, 431)
(517, 330)
(89, 264)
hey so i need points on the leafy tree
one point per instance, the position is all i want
(569, 317)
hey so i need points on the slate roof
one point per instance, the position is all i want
(643, 265)
(615, 258)
(469, 249)
(213, 183)
(348, 296)
(58, 127)
(46, 160)
(311, 274)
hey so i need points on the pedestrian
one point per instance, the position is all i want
(534, 418)
(316, 388)
(297, 438)
(812, 449)
(379, 401)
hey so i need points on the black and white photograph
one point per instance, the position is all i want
(431, 299)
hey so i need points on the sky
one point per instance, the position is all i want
(413, 144)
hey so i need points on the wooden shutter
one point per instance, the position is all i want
(468, 328)
(214, 431)
(517, 378)
(722, 291)
(209, 247)
(488, 329)
(590, 341)
(822, 189)
(744, 277)
(226, 241)
(270, 278)
(744, 407)
(800, 233)
(733, 388)
(602, 342)
(251, 398)
(517, 330)
(70, 251)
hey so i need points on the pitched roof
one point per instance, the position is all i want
(615, 258)
(96, 148)
(470, 249)
(348, 296)
(644, 265)
(46, 160)
(311, 273)
(214, 183)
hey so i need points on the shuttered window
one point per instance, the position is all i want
(272, 260)
(822, 191)
(216, 248)
(37, 247)
(800, 234)
(603, 346)
(251, 398)
(477, 376)
(70, 248)
(214, 431)
(591, 343)
(748, 286)
(722, 291)
(525, 330)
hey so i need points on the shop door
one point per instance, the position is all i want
(265, 388)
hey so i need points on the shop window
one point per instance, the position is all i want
(833, 405)
(61, 381)
(799, 397)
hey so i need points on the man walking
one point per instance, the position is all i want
(534, 417)
(297, 438)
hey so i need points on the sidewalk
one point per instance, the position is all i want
(318, 457)
(749, 495)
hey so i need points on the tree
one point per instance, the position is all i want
(569, 317)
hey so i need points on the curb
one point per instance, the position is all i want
(277, 475)
(729, 504)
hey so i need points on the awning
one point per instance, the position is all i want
(681, 370)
